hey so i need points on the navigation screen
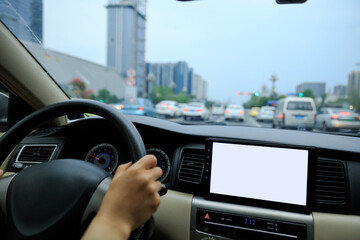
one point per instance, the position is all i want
(258, 172)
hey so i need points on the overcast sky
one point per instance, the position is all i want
(236, 45)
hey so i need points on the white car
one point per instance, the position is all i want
(295, 112)
(266, 114)
(168, 109)
(235, 112)
(337, 118)
(218, 109)
(196, 110)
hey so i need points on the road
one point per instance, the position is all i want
(251, 122)
(248, 121)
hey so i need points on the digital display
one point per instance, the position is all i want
(260, 172)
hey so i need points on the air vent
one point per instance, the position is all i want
(36, 153)
(192, 167)
(330, 182)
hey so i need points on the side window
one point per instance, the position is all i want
(4, 103)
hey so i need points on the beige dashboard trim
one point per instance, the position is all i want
(172, 219)
(336, 226)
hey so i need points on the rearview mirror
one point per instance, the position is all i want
(290, 1)
(278, 1)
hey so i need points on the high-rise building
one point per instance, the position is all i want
(30, 27)
(190, 80)
(178, 76)
(340, 89)
(162, 74)
(318, 88)
(126, 39)
(181, 77)
(199, 87)
(353, 82)
(167, 75)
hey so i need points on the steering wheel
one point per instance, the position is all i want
(57, 199)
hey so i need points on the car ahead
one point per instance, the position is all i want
(136, 106)
(337, 118)
(295, 112)
(168, 109)
(196, 110)
(182, 106)
(266, 114)
(254, 111)
(235, 112)
(218, 109)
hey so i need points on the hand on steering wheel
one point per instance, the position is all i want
(130, 201)
(55, 199)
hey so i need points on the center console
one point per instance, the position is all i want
(213, 220)
(254, 191)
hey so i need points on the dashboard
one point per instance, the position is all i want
(230, 181)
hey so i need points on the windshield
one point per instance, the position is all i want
(243, 52)
(306, 106)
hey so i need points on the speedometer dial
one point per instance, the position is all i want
(163, 161)
(105, 156)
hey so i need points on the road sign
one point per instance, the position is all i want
(131, 81)
(131, 73)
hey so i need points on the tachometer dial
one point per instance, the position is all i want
(163, 161)
(105, 156)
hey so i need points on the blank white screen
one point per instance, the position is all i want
(264, 173)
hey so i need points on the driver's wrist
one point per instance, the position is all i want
(102, 227)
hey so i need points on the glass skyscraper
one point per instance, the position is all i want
(32, 13)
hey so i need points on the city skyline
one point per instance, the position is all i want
(171, 37)
(179, 76)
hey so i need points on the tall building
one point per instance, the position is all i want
(318, 88)
(353, 82)
(30, 27)
(162, 74)
(181, 77)
(190, 80)
(199, 87)
(178, 76)
(167, 75)
(340, 89)
(126, 39)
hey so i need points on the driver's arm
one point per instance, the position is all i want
(130, 201)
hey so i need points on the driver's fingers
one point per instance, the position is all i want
(157, 186)
(122, 168)
(146, 162)
(1, 172)
(155, 173)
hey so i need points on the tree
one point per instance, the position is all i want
(273, 80)
(256, 102)
(105, 96)
(79, 88)
(308, 93)
(166, 93)
(354, 99)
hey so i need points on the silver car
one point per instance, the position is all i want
(337, 118)
(235, 112)
(266, 114)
